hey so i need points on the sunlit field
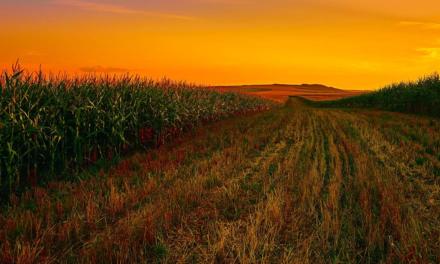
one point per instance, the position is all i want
(219, 131)
(126, 170)
(281, 92)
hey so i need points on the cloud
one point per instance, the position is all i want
(34, 53)
(117, 9)
(430, 53)
(100, 69)
(424, 25)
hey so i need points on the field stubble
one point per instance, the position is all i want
(292, 185)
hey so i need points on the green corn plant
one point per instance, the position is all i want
(50, 125)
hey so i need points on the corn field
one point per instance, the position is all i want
(420, 97)
(296, 184)
(50, 125)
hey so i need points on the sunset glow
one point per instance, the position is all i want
(341, 43)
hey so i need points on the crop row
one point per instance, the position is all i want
(50, 124)
(419, 97)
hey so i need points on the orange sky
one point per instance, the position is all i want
(360, 44)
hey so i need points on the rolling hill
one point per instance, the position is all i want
(281, 92)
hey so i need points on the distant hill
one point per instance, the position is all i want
(281, 92)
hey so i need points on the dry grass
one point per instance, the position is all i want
(293, 185)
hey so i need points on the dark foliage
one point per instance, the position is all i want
(420, 97)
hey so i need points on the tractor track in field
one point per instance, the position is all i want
(293, 185)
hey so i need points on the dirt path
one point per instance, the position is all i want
(293, 185)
